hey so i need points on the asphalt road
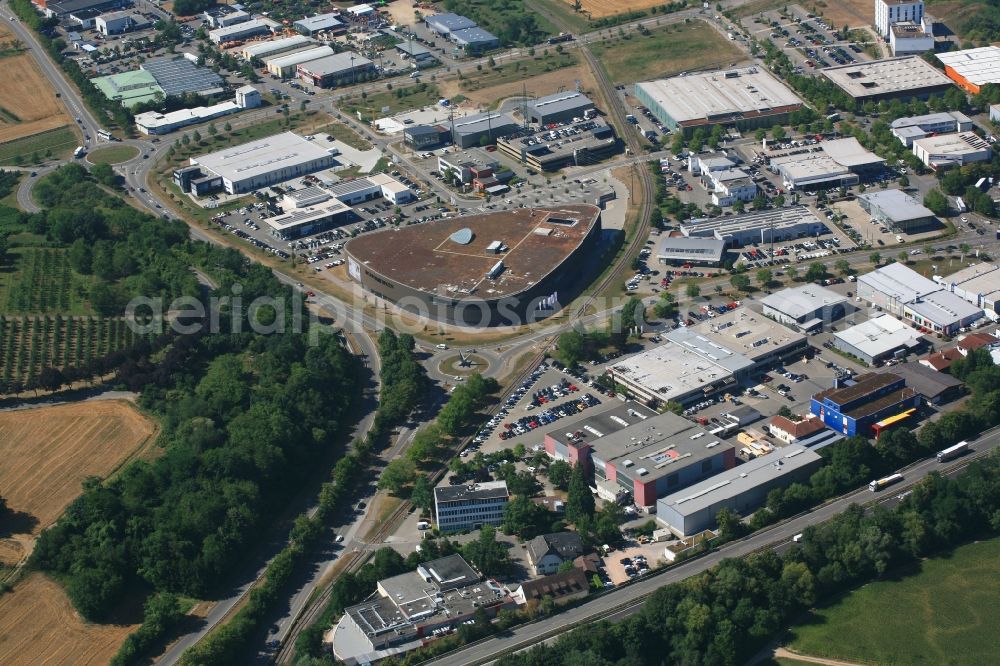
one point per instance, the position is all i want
(625, 601)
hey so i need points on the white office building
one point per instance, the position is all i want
(910, 39)
(911, 128)
(469, 507)
(890, 12)
(949, 150)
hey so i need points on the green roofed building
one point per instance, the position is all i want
(129, 88)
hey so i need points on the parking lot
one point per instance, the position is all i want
(636, 560)
(547, 396)
(809, 42)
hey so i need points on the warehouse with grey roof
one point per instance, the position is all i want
(894, 78)
(558, 108)
(471, 130)
(743, 489)
(748, 97)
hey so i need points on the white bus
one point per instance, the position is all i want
(952, 452)
(884, 482)
(105, 134)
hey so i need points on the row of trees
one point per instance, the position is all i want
(727, 614)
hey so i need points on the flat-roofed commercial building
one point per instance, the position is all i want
(559, 107)
(949, 150)
(942, 312)
(312, 25)
(634, 452)
(419, 606)
(894, 78)
(154, 122)
(286, 65)
(244, 30)
(474, 40)
(116, 23)
(699, 361)
(221, 16)
(972, 68)
(807, 308)
(445, 24)
(417, 52)
(827, 165)
(469, 507)
(854, 409)
(335, 70)
(422, 137)
(680, 250)
(261, 50)
(177, 75)
(878, 339)
(310, 219)
(898, 211)
(904, 292)
(918, 127)
(743, 489)
(892, 286)
(470, 130)
(910, 39)
(577, 144)
(264, 162)
(746, 98)
(978, 284)
(767, 226)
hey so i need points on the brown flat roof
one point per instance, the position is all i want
(881, 403)
(424, 257)
(864, 385)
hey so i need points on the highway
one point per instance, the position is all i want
(625, 601)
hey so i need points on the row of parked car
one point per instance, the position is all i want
(526, 424)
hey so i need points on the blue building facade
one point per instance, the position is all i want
(854, 409)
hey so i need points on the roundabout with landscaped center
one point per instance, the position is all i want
(112, 154)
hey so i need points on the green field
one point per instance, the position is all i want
(112, 154)
(59, 142)
(944, 614)
(399, 99)
(679, 48)
(519, 70)
(575, 21)
(345, 134)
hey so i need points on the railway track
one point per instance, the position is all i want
(616, 108)
(312, 611)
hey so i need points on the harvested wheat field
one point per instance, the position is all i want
(853, 13)
(28, 104)
(601, 8)
(49, 451)
(39, 626)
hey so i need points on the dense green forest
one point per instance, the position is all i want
(245, 416)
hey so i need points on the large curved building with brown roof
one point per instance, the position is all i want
(497, 269)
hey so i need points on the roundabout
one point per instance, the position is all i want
(463, 364)
(112, 154)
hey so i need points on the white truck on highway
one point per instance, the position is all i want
(78, 153)
(884, 482)
(952, 452)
